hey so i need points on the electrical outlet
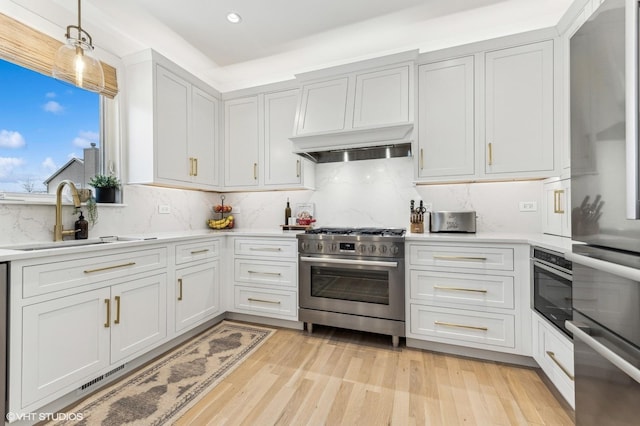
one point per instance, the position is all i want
(164, 209)
(528, 206)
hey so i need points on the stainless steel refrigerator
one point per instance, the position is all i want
(606, 215)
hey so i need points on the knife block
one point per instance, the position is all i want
(417, 228)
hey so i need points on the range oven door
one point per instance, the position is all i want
(373, 288)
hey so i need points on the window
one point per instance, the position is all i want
(49, 131)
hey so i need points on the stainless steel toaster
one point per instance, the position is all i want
(453, 221)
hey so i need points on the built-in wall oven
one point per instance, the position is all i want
(353, 278)
(551, 275)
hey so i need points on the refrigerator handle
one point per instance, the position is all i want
(631, 76)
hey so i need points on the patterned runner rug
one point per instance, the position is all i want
(165, 389)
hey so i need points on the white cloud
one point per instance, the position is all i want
(7, 164)
(9, 139)
(54, 107)
(49, 164)
(50, 95)
(85, 138)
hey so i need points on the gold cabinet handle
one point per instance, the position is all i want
(255, 171)
(108, 322)
(190, 166)
(265, 249)
(421, 158)
(474, 290)
(297, 168)
(265, 273)
(450, 324)
(179, 288)
(490, 154)
(466, 258)
(199, 251)
(562, 367)
(195, 167)
(275, 302)
(106, 268)
(557, 202)
(117, 320)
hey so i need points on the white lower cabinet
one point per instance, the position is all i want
(103, 326)
(469, 294)
(197, 294)
(553, 351)
(265, 277)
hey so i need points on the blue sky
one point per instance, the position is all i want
(43, 123)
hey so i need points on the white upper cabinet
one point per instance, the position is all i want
(519, 101)
(241, 142)
(258, 152)
(363, 104)
(172, 125)
(446, 143)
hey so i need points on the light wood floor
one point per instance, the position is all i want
(340, 377)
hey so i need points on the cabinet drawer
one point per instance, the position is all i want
(198, 250)
(462, 325)
(61, 274)
(554, 354)
(266, 302)
(485, 258)
(283, 274)
(450, 288)
(266, 247)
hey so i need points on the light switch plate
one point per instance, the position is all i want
(528, 206)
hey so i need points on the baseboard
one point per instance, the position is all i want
(256, 319)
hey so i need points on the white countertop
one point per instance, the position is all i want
(14, 252)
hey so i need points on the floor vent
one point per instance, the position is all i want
(100, 378)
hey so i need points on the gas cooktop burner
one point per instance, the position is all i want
(384, 232)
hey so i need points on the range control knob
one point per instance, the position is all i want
(372, 248)
(319, 247)
(304, 246)
(383, 249)
(362, 248)
(394, 249)
(334, 247)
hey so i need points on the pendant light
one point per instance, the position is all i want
(75, 62)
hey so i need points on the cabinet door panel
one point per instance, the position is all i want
(519, 109)
(197, 294)
(241, 142)
(382, 97)
(446, 118)
(324, 106)
(138, 315)
(173, 99)
(203, 140)
(65, 342)
(281, 165)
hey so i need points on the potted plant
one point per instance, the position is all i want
(105, 186)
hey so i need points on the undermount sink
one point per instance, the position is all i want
(55, 245)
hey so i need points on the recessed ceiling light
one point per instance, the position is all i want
(234, 18)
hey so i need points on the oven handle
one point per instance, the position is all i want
(605, 352)
(553, 270)
(350, 261)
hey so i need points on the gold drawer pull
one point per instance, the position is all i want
(490, 154)
(470, 258)
(450, 324)
(421, 158)
(106, 268)
(557, 201)
(255, 171)
(179, 288)
(562, 367)
(195, 167)
(117, 320)
(265, 249)
(298, 170)
(108, 303)
(459, 289)
(265, 273)
(275, 302)
(199, 251)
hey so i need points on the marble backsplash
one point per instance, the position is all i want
(361, 193)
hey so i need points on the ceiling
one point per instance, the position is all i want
(279, 38)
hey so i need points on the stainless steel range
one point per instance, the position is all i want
(353, 278)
